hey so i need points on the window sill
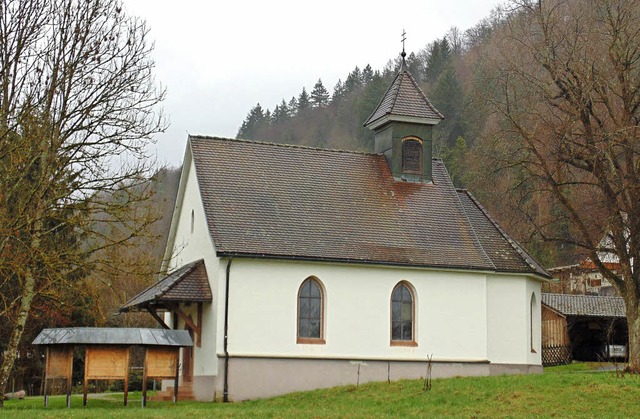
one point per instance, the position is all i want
(311, 341)
(404, 343)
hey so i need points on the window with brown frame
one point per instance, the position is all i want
(310, 312)
(411, 156)
(402, 316)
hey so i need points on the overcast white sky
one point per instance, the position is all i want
(217, 59)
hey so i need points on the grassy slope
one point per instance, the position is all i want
(559, 392)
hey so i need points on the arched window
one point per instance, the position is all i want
(402, 315)
(193, 220)
(411, 156)
(310, 312)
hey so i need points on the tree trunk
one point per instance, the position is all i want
(28, 292)
(633, 325)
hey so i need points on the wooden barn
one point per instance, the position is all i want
(582, 327)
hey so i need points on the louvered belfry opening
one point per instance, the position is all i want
(411, 156)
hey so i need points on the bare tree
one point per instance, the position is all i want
(78, 105)
(563, 81)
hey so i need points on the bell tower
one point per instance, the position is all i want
(402, 125)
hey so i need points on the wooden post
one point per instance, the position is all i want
(144, 377)
(70, 376)
(199, 336)
(46, 379)
(126, 376)
(175, 383)
(86, 374)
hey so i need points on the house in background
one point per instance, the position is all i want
(296, 268)
(580, 278)
(582, 327)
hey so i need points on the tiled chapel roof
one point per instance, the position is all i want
(281, 201)
(404, 98)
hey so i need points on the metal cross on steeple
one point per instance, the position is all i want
(404, 38)
(403, 54)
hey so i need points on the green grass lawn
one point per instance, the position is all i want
(575, 390)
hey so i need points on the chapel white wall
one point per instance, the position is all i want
(450, 311)
(508, 315)
(191, 244)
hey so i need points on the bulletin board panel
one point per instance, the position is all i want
(59, 362)
(161, 362)
(106, 363)
(58, 366)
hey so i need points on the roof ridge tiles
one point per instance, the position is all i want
(285, 145)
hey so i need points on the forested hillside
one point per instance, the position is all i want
(449, 70)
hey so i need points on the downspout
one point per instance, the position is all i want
(225, 394)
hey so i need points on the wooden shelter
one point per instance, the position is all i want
(580, 327)
(107, 355)
(556, 346)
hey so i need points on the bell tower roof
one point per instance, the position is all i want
(404, 101)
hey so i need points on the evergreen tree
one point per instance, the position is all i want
(367, 75)
(284, 110)
(338, 92)
(366, 104)
(252, 123)
(280, 113)
(304, 102)
(293, 106)
(453, 158)
(414, 65)
(319, 95)
(353, 81)
(276, 115)
(447, 96)
(438, 57)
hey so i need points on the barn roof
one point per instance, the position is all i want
(282, 201)
(113, 336)
(188, 283)
(404, 99)
(585, 305)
